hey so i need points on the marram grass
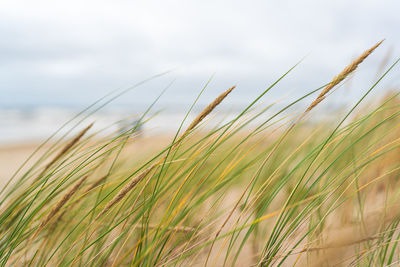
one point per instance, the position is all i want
(267, 187)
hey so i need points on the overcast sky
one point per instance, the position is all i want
(72, 52)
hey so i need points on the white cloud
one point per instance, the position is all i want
(86, 43)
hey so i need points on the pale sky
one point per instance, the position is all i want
(72, 52)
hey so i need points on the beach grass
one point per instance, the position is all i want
(268, 187)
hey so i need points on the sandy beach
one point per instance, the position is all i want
(12, 156)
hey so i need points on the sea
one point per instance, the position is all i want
(22, 125)
(26, 125)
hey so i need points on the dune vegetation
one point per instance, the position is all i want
(268, 187)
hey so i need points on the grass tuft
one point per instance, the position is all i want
(265, 187)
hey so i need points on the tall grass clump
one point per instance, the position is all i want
(268, 187)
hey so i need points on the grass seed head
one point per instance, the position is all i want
(342, 75)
